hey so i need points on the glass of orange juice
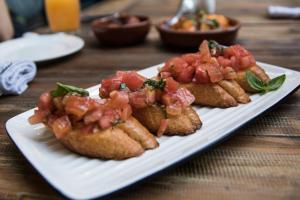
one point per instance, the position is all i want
(63, 15)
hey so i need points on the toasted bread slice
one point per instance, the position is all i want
(235, 90)
(211, 94)
(128, 139)
(185, 123)
(258, 71)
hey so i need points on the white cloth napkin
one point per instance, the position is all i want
(283, 12)
(14, 76)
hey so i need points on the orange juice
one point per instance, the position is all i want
(63, 15)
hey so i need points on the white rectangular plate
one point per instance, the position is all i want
(79, 177)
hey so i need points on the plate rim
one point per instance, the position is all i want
(79, 47)
(174, 163)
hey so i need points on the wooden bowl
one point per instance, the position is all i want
(192, 40)
(122, 35)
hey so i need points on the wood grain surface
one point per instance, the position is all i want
(261, 160)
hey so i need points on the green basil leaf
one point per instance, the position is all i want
(160, 84)
(254, 82)
(275, 83)
(63, 89)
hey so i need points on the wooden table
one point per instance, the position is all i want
(260, 160)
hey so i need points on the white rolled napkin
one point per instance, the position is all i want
(283, 12)
(15, 75)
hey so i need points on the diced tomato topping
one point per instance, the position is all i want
(51, 120)
(133, 80)
(38, 116)
(126, 112)
(61, 126)
(201, 75)
(224, 61)
(162, 127)
(213, 70)
(204, 52)
(93, 116)
(167, 99)
(165, 74)
(175, 62)
(105, 122)
(118, 99)
(185, 97)
(77, 106)
(45, 101)
(191, 58)
(171, 85)
(137, 99)
(239, 58)
(110, 84)
(186, 75)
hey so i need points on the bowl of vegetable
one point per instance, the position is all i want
(192, 29)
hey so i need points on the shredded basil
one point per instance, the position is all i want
(160, 84)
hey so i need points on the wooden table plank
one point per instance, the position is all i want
(260, 161)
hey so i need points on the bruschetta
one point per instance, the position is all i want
(202, 75)
(102, 128)
(160, 105)
(240, 60)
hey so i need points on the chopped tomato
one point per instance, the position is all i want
(93, 116)
(171, 85)
(38, 116)
(191, 58)
(201, 75)
(213, 70)
(133, 80)
(105, 122)
(246, 62)
(110, 84)
(51, 120)
(176, 62)
(162, 127)
(96, 103)
(165, 74)
(204, 52)
(137, 99)
(118, 99)
(167, 99)
(234, 63)
(239, 57)
(77, 106)
(186, 75)
(224, 61)
(126, 112)
(61, 126)
(185, 97)
(45, 101)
